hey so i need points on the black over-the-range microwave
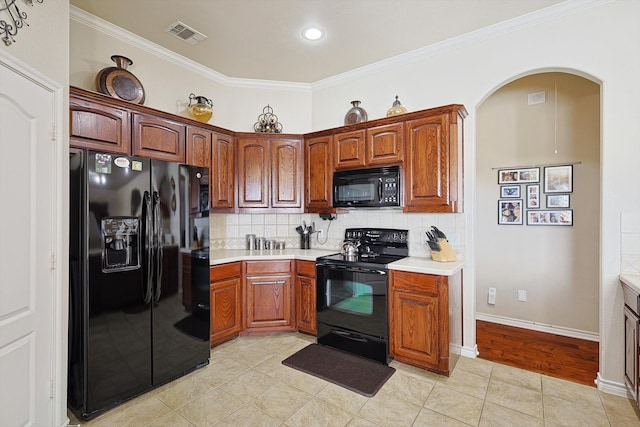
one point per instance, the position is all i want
(367, 188)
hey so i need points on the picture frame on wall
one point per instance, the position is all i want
(550, 217)
(533, 196)
(518, 175)
(558, 179)
(510, 212)
(557, 201)
(509, 191)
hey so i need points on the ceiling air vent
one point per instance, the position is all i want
(185, 33)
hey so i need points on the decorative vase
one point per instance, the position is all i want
(356, 114)
(396, 108)
(119, 83)
(200, 107)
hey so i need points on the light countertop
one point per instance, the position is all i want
(632, 280)
(411, 264)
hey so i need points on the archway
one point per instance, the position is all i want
(531, 132)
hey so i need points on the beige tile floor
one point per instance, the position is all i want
(246, 385)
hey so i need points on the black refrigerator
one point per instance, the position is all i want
(139, 281)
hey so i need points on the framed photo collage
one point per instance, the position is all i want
(522, 191)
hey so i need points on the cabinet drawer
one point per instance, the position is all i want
(224, 271)
(261, 267)
(416, 282)
(306, 268)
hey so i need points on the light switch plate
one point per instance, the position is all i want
(491, 298)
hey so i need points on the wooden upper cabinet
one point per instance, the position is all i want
(253, 173)
(270, 173)
(222, 175)
(198, 146)
(286, 173)
(385, 145)
(349, 150)
(158, 138)
(318, 174)
(98, 126)
(433, 162)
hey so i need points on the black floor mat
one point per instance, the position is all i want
(352, 372)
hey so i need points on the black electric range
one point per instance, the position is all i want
(352, 303)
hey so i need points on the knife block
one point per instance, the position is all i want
(446, 253)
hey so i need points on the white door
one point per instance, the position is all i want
(27, 237)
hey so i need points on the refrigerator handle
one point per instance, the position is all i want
(158, 240)
(148, 250)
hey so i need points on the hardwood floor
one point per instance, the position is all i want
(554, 355)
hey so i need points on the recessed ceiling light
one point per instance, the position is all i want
(312, 33)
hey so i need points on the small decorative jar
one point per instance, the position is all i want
(356, 114)
(200, 107)
(396, 108)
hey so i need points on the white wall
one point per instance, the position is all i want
(596, 38)
(601, 42)
(168, 79)
(43, 46)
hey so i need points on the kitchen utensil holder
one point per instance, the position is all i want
(305, 241)
(446, 253)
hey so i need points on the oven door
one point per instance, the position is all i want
(352, 310)
(353, 298)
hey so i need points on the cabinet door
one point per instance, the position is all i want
(631, 352)
(318, 174)
(253, 173)
(222, 188)
(98, 126)
(306, 297)
(158, 138)
(433, 172)
(385, 145)
(348, 150)
(415, 331)
(225, 302)
(199, 146)
(286, 174)
(269, 302)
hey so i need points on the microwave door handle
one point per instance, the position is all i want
(379, 190)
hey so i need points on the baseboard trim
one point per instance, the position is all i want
(469, 351)
(612, 387)
(550, 329)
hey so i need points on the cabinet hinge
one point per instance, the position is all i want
(52, 392)
(53, 261)
(54, 133)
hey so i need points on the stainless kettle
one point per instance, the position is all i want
(350, 248)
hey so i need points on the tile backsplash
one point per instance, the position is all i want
(228, 231)
(630, 243)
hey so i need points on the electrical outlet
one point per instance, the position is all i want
(522, 295)
(267, 233)
(491, 298)
(320, 234)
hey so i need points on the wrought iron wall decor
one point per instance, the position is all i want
(17, 19)
(268, 122)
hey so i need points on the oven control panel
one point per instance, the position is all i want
(376, 235)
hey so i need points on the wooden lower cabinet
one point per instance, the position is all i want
(225, 302)
(306, 296)
(425, 320)
(269, 299)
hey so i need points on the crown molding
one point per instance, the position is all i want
(134, 40)
(547, 14)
